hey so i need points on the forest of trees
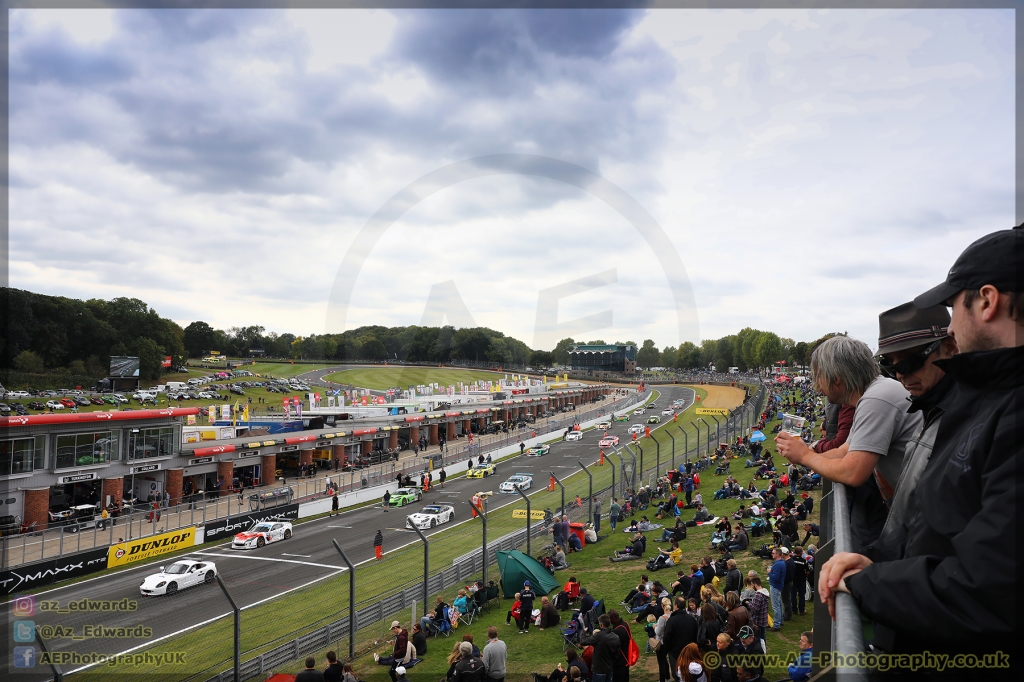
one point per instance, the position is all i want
(43, 333)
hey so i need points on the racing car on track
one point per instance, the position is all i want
(635, 428)
(404, 496)
(263, 533)
(653, 419)
(178, 576)
(574, 435)
(538, 450)
(481, 470)
(430, 516)
(609, 441)
(524, 481)
(603, 426)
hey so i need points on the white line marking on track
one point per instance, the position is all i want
(266, 558)
(304, 556)
(339, 526)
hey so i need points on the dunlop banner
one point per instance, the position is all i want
(521, 514)
(712, 410)
(143, 548)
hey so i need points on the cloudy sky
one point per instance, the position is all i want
(666, 174)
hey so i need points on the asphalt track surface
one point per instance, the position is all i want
(258, 575)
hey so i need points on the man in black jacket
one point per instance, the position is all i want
(606, 648)
(680, 630)
(935, 589)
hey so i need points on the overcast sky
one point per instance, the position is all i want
(795, 171)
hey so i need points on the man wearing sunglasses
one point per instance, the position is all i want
(952, 584)
(910, 340)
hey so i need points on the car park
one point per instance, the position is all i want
(237, 391)
(180, 575)
(574, 435)
(538, 450)
(636, 428)
(654, 419)
(430, 516)
(68, 402)
(523, 481)
(36, 405)
(263, 533)
(5, 408)
(608, 441)
(82, 402)
(54, 405)
(404, 496)
(481, 470)
(119, 397)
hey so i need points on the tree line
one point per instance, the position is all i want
(42, 333)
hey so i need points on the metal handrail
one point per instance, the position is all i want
(847, 630)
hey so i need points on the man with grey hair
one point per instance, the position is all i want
(845, 370)
(469, 668)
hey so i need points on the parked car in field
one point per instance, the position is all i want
(36, 405)
(54, 405)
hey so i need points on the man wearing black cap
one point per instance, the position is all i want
(910, 340)
(938, 591)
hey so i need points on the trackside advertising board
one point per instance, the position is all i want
(136, 550)
(40, 574)
(227, 528)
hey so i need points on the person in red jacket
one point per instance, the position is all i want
(515, 612)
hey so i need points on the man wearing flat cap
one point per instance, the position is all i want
(950, 584)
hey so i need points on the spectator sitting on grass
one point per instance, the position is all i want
(702, 515)
(558, 557)
(636, 549)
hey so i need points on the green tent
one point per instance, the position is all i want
(515, 567)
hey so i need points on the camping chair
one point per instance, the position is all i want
(444, 627)
(573, 594)
(493, 595)
(480, 600)
(572, 635)
(472, 610)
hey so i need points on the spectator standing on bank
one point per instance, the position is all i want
(777, 584)
(310, 674)
(495, 656)
(613, 513)
(526, 597)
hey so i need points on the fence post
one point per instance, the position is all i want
(590, 496)
(483, 519)
(562, 511)
(673, 449)
(238, 629)
(697, 450)
(614, 466)
(718, 428)
(528, 519)
(426, 562)
(635, 478)
(58, 674)
(351, 602)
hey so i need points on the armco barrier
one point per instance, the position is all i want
(43, 573)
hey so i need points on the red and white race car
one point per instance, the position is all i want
(608, 441)
(261, 534)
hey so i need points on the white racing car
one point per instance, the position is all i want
(574, 435)
(261, 534)
(636, 428)
(178, 576)
(430, 516)
(524, 481)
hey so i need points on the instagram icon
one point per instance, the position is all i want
(24, 607)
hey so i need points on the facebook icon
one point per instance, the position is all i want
(24, 657)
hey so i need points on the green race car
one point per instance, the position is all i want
(654, 419)
(480, 471)
(404, 496)
(538, 450)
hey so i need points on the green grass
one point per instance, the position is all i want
(391, 376)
